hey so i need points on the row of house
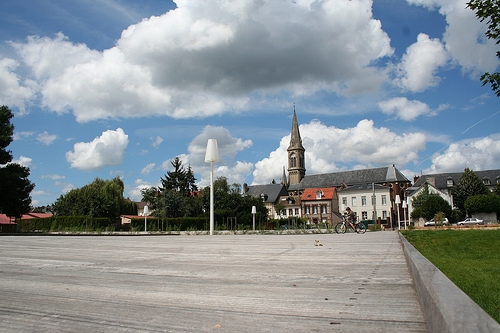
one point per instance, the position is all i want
(378, 194)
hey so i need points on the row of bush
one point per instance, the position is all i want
(65, 224)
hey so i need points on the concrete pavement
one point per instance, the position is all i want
(220, 283)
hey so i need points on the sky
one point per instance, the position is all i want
(107, 88)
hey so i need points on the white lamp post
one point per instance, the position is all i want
(254, 211)
(146, 212)
(404, 211)
(397, 200)
(212, 155)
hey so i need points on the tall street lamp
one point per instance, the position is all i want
(212, 155)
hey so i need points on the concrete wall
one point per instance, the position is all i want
(446, 308)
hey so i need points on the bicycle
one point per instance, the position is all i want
(342, 227)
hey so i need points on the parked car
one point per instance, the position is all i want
(470, 220)
(433, 223)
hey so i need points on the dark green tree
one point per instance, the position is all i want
(489, 11)
(468, 185)
(483, 203)
(15, 190)
(15, 187)
(6, 133)
(179, 180)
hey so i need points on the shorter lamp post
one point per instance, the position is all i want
(397, 201)
(404, 211)
(212, 155)
(254, 211)
(146, 212)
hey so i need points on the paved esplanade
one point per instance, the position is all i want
(220, 283)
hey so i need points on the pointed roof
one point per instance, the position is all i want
(284, 181)
(269, 192)
(336, 179)
(295, 139)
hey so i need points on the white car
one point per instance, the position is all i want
(470, 220)
(433, 223)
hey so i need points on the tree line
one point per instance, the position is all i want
(470, 195)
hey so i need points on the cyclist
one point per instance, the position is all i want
(351, 217)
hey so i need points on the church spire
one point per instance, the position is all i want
(296, 160)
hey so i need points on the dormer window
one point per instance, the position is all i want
(486, 181)
(319, 194)
(498, 179)
(449, 182)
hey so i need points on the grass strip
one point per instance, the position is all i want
(468, 257)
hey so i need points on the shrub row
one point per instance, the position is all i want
(64, 223)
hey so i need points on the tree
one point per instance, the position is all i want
(489, 11)
(483, 203)
(6, 132)
(429, 205)
(101, 198)
(468, 185)
(15, 190)
(15, 187)
(179, 180)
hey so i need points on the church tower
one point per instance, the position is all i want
(296, 159)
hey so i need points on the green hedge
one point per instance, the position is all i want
(171, 224)
(64, 223)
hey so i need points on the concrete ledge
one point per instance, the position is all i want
(445, 307)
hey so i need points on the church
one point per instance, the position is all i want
(376, 194)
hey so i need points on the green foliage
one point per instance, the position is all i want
(483, 203)
(489, 11)
(179, 180)
(6, 133)
(230, 203)
(468, 258)
(15, 187)
(101, 198)
(64, 224)
(427, 205)
(468, 185)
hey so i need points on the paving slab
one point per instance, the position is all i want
(219, 283)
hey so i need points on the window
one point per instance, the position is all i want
(290, 212)
(486, 181)
(363, 200)
(374, 200)
(296, 211)
(384, 199)
(364, 215)
(344, 201)
(308, 210)
(315, 209)
(449, 182)
(384, 214)
(319, 194)
(353, 201)
(323, 209)
(293, 160)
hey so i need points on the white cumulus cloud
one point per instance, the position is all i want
(405, 109)
(420, 63)
(478, 154)
(330, 149)
(108, 149)
(199, 59)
